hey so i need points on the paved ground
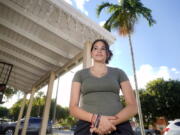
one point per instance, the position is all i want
(61, 132)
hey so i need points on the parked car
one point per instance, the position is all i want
(4, 121)
(173, 128)
(147, 131)
(73, 128)
(8, 128)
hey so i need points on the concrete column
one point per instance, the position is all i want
(54, 110)
(28, 112)
(47, 105)
(87, 61)
(20, 114)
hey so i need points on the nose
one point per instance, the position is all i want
(100, 50)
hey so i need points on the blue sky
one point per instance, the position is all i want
(156, 48)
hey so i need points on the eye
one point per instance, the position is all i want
(96, 48)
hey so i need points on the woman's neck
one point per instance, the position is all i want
(99, 66)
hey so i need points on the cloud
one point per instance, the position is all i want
(80, 5)
(68, 1)
(102, 23)
(148, 73)
(164, 72)
(175, 70)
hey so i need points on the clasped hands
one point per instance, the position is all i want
(107, 125)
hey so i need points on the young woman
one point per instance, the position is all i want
(95, 99)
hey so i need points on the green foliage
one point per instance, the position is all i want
(4, 112)
(37, 109)
(161, 98)
(9, 92)
(15, 109)
(147, 107)
(124, 15)
(69, 121)
(122, 100)
(61, 113)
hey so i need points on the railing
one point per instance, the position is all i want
(5, 71)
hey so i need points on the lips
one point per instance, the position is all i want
(99, 55)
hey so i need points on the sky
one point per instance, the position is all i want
(156, 48)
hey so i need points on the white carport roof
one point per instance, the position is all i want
(40, 36)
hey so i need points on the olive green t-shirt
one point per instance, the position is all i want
(100, 95)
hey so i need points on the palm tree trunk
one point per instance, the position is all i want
(136, 87)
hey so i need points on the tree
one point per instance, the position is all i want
(123, 17)
(62, 113)
(15, 109)
(39, 102)
(70, 121)
(160, 98)
(4, 112)
(164, 95)
(147, 104)
(9, 92)
(38, 106)
(6, 93)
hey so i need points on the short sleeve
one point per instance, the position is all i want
(77, 77)
(122, 76)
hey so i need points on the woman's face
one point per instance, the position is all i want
(99, 52)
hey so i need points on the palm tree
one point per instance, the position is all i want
(39, 98)
(123, 17)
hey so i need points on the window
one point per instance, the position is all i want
(177, 124)
(35, 120)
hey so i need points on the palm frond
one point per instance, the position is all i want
(140, 9)
(101, 7)
(125, 16)
(146, 13)
(111, 7)
(112, 19)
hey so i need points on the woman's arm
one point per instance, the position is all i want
(131, 107)
(105, 124)
(74, 102)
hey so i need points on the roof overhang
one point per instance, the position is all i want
(41, 36)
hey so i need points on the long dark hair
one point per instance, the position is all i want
(108, 51)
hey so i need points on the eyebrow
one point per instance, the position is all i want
(101, 47)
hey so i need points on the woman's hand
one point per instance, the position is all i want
(105, 125)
